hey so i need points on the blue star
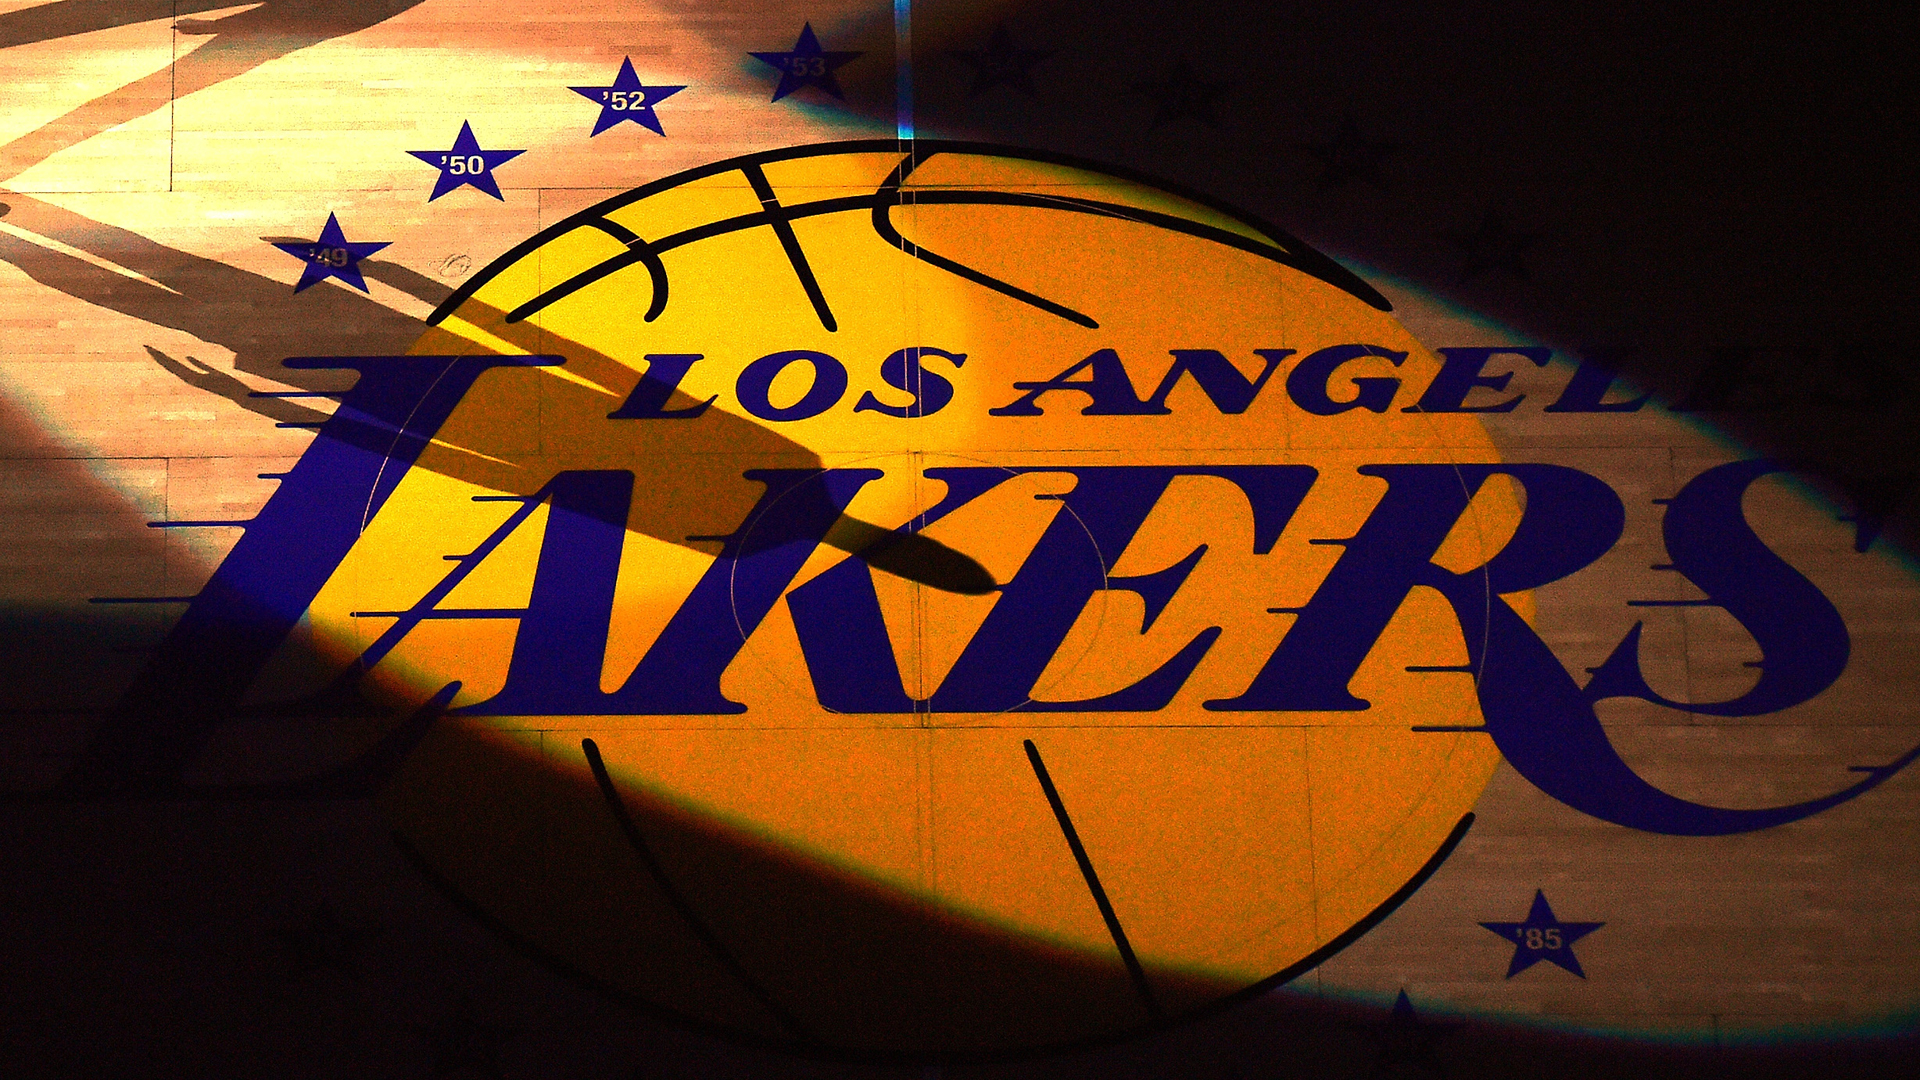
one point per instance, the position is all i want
(1001, 63)
(1348, 156)
(331, 256)
(466, 163)
(324, 941)
(626, 99)
(464, 1044)
(1543, 937)
(1182, 94)
(807, 65)
(1492, 246)
(1874, 501)
(1407, 1040)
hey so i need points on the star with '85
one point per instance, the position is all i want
(1543, 937)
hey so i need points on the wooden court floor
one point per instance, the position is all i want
(152, 156)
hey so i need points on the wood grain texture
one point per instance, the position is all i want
(151, 153)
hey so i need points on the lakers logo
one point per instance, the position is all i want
(948, 602)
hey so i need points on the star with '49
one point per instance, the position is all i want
(806, 64)
(627, 99)
(1543, 937)
(466, 164)
(330, 256)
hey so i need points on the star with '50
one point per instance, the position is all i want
(1543, 937)
(331, 256)
(806, 64)
(627, 99)
(466, 164)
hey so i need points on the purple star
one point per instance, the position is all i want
(1348, 156)
(1001, 63)
(807, 65)
(1492, 246)
(466, 163)
(465, 1044)
(1407, 1040)
(626, 99)
(1543, 937)
(1182, 94)
(1875, 499)
(331, 256)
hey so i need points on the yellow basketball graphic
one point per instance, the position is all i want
(924, 539)
(851, 611)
